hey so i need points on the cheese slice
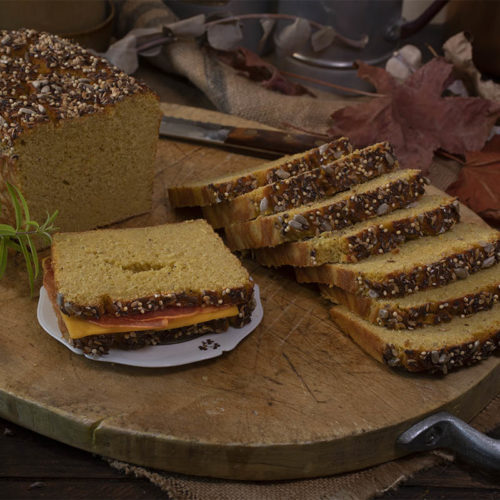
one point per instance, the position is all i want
(78, 328)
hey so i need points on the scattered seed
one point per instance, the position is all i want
(383, 209)
(282, 174)
(264, 204)
(488, 262)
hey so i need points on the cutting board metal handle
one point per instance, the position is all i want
(443, 430)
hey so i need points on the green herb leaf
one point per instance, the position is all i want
(21, 237)
(34, 256)
(28, 259)
(6, 230)
(12, 244)
(15, 204)
(18, 195)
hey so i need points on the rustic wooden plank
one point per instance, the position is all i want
(24, 454)
(425, 493)
(33, 466)
(81, 489)
(456, 475)
(296, 399)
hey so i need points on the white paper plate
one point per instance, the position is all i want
(161, 356)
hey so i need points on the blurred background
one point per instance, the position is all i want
(389, 25)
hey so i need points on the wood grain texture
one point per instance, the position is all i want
(296, 399)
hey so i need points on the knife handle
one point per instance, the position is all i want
(281, 142)
(443, 430)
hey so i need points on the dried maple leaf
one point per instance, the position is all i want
(415, 118)
(478, 183)
(259, 70)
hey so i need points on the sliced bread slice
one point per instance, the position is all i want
(430, 216)
(479, 292)
(138, 270)
(223, 188)
(376, 197)
(435, 349)
(419, 264)
(306, 187)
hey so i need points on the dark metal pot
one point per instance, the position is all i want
(379, 20)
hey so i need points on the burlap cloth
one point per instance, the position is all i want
(227, 90)
(220, 87)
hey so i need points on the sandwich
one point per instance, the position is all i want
(131, 288)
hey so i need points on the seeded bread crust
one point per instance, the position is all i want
(436, 358)
(393, 316)
(234, 296)
(437, 273)
(344, 210)
(373, 240)
(141, 305)
(45, 78)
(306, 187)
(101, 344)
(227, 189)
(46, 84)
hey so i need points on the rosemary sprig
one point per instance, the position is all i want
(20, 237)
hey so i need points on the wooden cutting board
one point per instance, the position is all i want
(296, 399)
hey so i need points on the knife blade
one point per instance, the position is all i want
(259, 142)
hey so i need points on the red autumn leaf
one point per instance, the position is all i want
(252, 66)
(478, 183)
(415, 118)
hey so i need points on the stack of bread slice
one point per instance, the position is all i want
(413, 286)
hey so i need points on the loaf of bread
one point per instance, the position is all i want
(464, 297)
(306, 187)
(76, 134)
(434, 348)
(430, 216)
(376, 197)
(419, 264)
(218, 189)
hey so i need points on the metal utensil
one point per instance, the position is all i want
(444, 430)
(260, 142)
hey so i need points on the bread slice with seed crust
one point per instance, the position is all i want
(430, 216)
(419, 264)
(434, 349)
(479, 292)
(306, 187)
(138, 270)
(376, 197)
(223, 188)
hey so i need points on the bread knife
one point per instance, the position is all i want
(258, 142)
